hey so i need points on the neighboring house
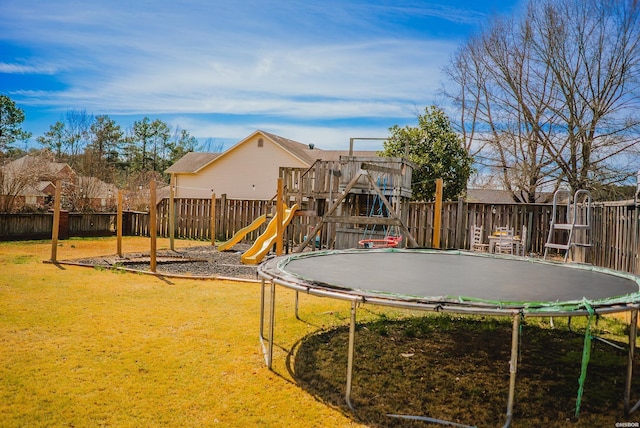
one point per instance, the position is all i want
(34, 196)
(28, 183)
(248, 170)
(92, 194)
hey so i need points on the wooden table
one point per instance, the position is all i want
(515, 241)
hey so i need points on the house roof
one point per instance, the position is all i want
(42, 185)
(494, 196)
(193, 162)
(26, 161)
(497, 196)
(96, 187)
(299, 150)
(309, 153)
(31, 191)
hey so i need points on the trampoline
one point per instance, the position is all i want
(457, 282)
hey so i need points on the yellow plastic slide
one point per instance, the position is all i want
(263, 244)
(242, 233)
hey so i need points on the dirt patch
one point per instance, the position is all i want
(200, 261)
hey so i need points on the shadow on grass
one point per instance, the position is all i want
(457, 369)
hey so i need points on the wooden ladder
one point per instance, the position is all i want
(574, 221)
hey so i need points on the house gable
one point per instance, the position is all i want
(248, 170)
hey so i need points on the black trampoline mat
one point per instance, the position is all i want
(428, 275)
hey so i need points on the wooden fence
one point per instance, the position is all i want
(615, 225)
(39, 225)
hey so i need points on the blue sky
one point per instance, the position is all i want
(317, 72)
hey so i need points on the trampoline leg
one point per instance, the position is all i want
(352, 337)
(513, 367)
(272, 317)
(263, 339)
(262, 311)
(633, 329)
(297, 299)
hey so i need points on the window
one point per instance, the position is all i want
(260, 142)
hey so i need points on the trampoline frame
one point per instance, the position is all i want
(472, 308)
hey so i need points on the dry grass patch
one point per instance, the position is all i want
(87, 347)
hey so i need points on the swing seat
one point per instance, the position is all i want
(388, 242)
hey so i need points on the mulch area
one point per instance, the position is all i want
(200, 262)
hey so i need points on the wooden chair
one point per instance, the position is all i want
(522, 245)
(504, 244)
(476, 240)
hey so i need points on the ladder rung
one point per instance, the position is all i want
(569, 226)
(562, 226)
(556, 246)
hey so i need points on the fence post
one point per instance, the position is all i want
(172, 212)
(437, 214)
(223, 209)
(213, 219)
(64, 225)
(279, 218)
(153, 225)
(460, 224)
(55, 230)
(119, 224)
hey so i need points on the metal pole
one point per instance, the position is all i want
(352, 338)
(513, 367)
(633, 330)
(262, 309)
(272, 317)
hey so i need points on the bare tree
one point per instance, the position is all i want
(20, 175)
(68, 138)
(555, 96)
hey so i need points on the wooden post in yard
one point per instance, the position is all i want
(152, 225)
(279, 217)
(56, 222)
(119, 224)
(172, 212)
(437, 214)
(213, 219)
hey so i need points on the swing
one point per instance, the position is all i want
(386, 242)
(389, 241)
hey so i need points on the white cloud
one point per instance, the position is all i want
(26, 68)
(299, 64)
